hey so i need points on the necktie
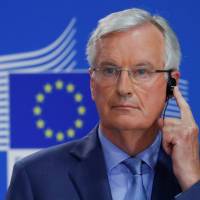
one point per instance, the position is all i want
(137, 190)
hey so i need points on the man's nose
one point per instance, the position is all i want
(124, 84)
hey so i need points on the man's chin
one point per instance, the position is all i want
(129, 124)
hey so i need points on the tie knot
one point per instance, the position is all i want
(136, 166)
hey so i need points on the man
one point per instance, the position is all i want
(133, 153)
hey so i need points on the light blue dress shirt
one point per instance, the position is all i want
(118, 175)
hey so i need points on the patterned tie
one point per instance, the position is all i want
(137, 190)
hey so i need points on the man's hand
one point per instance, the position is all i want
(180, 140)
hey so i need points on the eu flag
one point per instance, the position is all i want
(48, 109)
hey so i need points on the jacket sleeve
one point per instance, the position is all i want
(20, 186)
(192, 193)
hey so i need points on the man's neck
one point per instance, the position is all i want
(131, 141)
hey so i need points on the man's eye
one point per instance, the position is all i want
(109, 71)
(141, 71)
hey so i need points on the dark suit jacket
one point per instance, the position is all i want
(76, 171)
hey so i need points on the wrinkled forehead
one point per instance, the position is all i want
(141, 42)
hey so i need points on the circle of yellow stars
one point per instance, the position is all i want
(40, 98)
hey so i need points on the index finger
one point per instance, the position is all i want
(182, 104)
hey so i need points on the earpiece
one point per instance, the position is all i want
(170, 86)
(171, 83)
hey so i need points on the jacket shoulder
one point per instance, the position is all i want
(51, 156)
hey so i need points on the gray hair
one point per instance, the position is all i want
(127, 19)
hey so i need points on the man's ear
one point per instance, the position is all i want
(176, 75)
(92, 85)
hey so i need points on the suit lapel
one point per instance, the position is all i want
(89, 172)
(165, 184)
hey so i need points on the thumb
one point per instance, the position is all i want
(160, 123)
(165, 137)
(165, 143)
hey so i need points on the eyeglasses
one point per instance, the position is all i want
(109, 74)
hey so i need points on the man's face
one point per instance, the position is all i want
(129, 105)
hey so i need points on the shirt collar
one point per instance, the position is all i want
(114, 155)
(150, 155)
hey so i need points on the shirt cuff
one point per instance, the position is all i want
(193, 193)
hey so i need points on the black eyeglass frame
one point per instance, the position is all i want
(169, 71)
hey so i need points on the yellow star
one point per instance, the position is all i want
(78, 123)
(40, 123)
(40, 98)
(48, 133)
(48, 88)
(81, 110)
(70, 133)
(70, 88)
(60, 136)
(37, 110)
(78, 97)
(59, 84)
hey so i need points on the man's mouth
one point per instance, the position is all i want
(124, 106)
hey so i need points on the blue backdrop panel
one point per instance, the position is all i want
(3, 174)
